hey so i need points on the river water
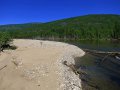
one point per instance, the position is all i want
(98, 76)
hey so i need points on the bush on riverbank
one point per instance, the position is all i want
(5, 40)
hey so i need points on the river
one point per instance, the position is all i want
(99, 76)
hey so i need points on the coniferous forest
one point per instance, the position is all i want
(89, 27)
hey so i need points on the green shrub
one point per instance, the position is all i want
(5, 39)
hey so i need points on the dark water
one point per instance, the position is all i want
(99, 76)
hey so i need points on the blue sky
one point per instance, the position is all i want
(25, 11)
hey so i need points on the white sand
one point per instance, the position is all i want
(37, 65)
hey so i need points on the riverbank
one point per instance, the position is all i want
(38, 65)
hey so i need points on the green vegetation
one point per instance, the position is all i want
(5, 40)
(90, 27)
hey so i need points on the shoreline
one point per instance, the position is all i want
(67, 79)
(71, 81)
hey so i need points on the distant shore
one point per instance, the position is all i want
(38, 64)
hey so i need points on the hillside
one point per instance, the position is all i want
(104, 26)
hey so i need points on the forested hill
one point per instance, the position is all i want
(82, 27)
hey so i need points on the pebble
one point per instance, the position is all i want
(70, 81)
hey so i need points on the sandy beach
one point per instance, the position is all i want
(38, 65)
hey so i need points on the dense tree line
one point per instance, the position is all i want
(83, 27)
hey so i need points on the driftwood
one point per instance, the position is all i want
(101, 52)
(71, 66)
(3, 67)
(74, 69)
(104, 55)
(83, 75)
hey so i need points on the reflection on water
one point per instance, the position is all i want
(98, 77)
(98, 45)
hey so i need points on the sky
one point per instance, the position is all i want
(26, 11)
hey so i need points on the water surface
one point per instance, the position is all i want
(98, 77)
